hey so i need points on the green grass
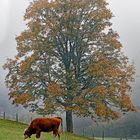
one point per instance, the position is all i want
(10, 130)
(114, 139)
(119, 139)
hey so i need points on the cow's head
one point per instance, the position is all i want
(27, 134)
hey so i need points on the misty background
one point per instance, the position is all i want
(126, 22)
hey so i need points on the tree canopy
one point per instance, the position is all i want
(70, 59)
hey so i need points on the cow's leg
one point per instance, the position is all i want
(38, 133)
(54, 137)
(58, 136)
(56, 133)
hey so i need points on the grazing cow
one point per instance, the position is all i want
(39, 125)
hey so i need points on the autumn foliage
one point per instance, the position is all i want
(70, 59)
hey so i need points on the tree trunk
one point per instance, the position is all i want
(69, 121)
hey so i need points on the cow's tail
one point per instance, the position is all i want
(61, 122)
(61, 125)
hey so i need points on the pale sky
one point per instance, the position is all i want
(126, 22)
(4, 18)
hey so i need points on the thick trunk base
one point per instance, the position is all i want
(69, 121)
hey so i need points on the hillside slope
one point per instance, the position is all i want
(10, 130)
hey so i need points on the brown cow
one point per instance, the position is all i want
(39, 125)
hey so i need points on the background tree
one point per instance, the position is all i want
(69, 59)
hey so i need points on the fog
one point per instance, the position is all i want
(126, 22)
(11, 13)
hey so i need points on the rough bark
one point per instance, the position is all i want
(69, 121)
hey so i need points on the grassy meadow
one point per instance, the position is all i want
(115, 139)
(10, 130)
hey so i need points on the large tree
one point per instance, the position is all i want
(69, 59)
